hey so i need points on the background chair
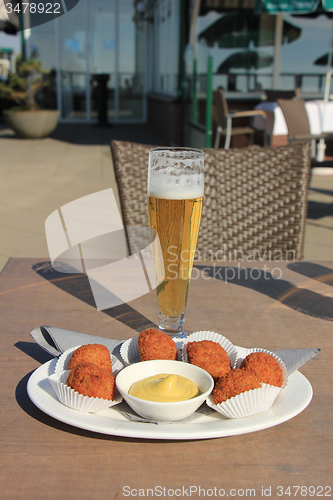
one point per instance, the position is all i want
(130, 161)
(255, 198)
(224, 121)
(298, 123)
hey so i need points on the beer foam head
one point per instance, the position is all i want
(176, 173)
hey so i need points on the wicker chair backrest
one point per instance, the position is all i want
(255, 199)
(296, 117)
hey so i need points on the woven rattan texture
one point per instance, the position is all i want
(255, 202)
(296, 117)
(255, 199)
(131, 169)
(130, 162)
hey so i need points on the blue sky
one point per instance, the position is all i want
(10, 41)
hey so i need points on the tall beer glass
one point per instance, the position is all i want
(175, 195)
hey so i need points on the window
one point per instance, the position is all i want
(166, 40)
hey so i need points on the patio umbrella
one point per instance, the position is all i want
(304, 7)
(312, 7)
(248, 59)
(240, 28)
(9, 23)
(323, 60)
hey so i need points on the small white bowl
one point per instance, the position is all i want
(158, 411)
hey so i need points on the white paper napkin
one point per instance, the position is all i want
(57, 340)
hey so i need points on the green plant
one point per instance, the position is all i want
(22, 86)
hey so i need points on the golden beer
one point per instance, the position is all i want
(175, 195)
(177, 224)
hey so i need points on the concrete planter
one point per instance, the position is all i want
(32, 124)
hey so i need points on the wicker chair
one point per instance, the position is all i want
(225, 117)
(255, 199)
(298, 123)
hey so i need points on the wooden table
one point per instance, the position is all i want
(42, 458)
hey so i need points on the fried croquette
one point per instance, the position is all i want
(233, 383)
(91, 353)
(154, 344)
(265, 367)
(91, 380)
(209, 356)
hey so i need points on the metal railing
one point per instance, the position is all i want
(253, 82)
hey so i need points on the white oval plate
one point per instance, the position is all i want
(290, 402)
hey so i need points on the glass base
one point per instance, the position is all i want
(172, 326)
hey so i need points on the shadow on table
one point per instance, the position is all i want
(272, 285)
(23, 400)
(260, 280)
(313, 271)
(34, 351)
(28, 407)
(78, 286)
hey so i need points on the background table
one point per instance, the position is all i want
(42, 458)
(320, 116)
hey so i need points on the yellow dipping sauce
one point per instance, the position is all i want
(164, 388)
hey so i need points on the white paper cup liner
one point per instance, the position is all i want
(254, 401)
(73, 399)
(62, 363)
(247, 403)
(215, 337)
(279, 360)
(129, 350)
